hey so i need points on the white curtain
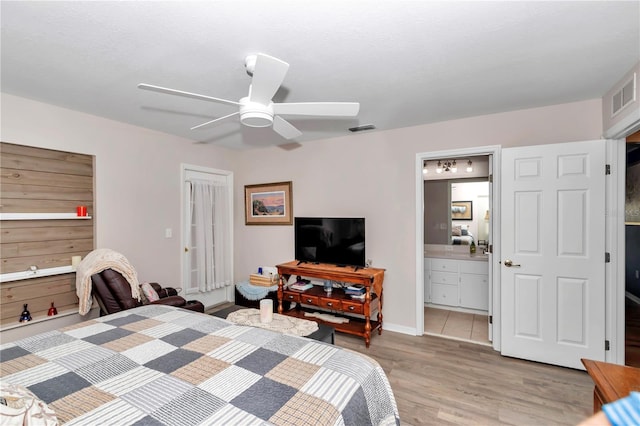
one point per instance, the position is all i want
(212, 234)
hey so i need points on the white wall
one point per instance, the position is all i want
(368, 174)
(137, 178)
(372, 175)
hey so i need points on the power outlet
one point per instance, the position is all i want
(168, 233)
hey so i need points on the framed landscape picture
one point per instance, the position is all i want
(462, 210)
(268, 204)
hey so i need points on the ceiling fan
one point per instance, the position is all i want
(257, 109)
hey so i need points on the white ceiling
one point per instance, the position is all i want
(406, 62)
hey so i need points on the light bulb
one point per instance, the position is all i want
(469, 167)
(439, 167)
(454, 168)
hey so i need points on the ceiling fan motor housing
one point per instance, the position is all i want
(254, 114)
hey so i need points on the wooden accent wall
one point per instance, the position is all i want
(36, 180)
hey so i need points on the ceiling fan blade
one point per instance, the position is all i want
(185, 94)
(336, 109)
(215, 121)
(284, 128)
(268, 75)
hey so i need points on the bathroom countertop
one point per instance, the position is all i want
(454, 252)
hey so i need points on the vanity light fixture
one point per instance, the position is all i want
(469, 166)
(424, 168)
(446, 166)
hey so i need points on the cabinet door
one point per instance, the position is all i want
(473, 291)
(444, 294)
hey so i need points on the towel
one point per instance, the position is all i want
(254, 292)
(97, 261)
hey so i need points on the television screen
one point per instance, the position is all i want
(338, 241)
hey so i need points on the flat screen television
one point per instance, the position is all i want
(335, 240)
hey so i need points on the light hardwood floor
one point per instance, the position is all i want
(438, 381)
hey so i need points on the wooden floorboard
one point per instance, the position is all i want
(437, 381)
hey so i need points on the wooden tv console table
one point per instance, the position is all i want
(337, 301)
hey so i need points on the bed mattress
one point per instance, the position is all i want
(164, 365)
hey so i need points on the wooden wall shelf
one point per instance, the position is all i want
(41, 216)
(25, 275)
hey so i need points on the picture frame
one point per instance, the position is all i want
(268, 204)
(462, 210)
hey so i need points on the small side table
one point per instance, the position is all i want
(324, 333)
(611, 381)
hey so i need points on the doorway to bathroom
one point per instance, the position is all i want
(456, 214)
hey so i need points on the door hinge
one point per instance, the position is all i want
(607, 258)
(490, 248)
(490, 178)
(490, 319)
(606, 345)
(607, 169)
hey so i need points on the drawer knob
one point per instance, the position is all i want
(329, 304)
(309, 300)
(351, 308)
(290, 297)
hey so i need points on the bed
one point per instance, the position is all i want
(460, 235)
(165, 365)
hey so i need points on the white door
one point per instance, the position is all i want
(189, 270)
(553, 236)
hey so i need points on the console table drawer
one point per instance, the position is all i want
(444, 294)
(291, 297)
(448, 278)
(352, 307)
(309, 300)
(334, 304)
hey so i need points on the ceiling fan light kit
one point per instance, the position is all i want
(258, 109)
(254, 114)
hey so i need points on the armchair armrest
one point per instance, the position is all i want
(164, 292)
(171, 301)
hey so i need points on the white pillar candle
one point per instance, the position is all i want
(266, 311)
(75, 261)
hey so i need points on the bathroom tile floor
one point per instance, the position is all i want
(456, 325)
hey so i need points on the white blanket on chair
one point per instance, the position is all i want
(97, 261)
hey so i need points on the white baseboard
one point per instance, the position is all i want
(399, 329)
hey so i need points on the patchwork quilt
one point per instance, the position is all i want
(159, 364)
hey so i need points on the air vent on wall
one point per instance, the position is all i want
(624, 96)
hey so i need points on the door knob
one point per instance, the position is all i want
(508, 263)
